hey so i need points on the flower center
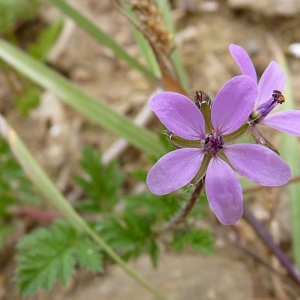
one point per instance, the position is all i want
(213, 143)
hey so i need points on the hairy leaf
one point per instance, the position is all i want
(28, 99)
(13, 11)
(49, 255)
(14, 186)
(47, 37)
(130, 236)
(200, 240)
(88, 255)
(100, 182)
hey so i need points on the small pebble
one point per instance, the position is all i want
(295, 49)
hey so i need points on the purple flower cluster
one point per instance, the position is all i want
(205, 142)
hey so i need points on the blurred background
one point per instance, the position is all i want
(241, 266)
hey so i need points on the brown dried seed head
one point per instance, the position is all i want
(153, 10)
(151, 22)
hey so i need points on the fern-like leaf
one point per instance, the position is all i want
(49, 255)
(101, 183)
(88, 255)
(200, 240)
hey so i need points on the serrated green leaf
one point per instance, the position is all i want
(49, 255)
(44, 257)
(153, 251)
(14, 186)
(155, 207)
(48, 36)
(5, 230)
(28, 99)
(116, 234)
(54, 197)
(130, 235)
(88, 255)
(200, 240)
(100, 182)
(12, 11)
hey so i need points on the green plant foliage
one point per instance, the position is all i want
(88, 255)
(200, 208)
(47, 37)
(131, 236)
(14, 11)
(158, 208)
(5, 230)
(14, 185)
(129, 232)
(100, 182)
(28, 99)
(49, 255)
(200, 240)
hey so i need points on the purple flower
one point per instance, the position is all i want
(207, 152)
(271, 82)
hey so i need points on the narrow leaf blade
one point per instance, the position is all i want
(75, 97)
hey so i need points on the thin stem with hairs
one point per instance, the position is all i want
(181, 216)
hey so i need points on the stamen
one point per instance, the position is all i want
(213, 143)
(277, 95)
(264, 109)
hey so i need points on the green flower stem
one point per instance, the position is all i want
(101, 37)
(55, 198)
(94, 109)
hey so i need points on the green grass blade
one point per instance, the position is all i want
(101, 37)
(75, 97)
(290, 153)
(165, 9)
(55, 198)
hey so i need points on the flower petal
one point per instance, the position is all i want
(272, 79)
(174, 170)
(258, 164)
(224, 192)
(243, 60)
(233, 104)
(179, 114)
(287, 121)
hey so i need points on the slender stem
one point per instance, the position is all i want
(268, 240)
(186, 209)
(254, 189)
